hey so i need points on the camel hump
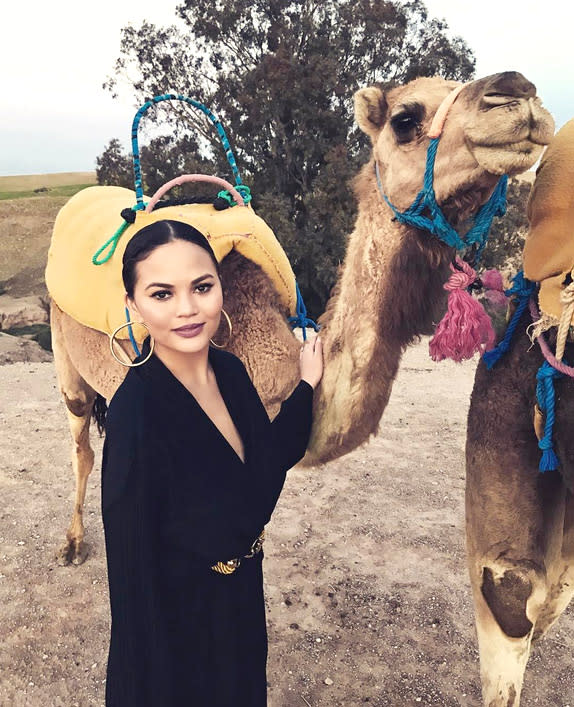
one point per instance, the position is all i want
(549, 248)
(94, 294)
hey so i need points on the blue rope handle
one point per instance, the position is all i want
(522, 289)
(138, 182)
(131, 333)
(546, 399)
(437, 223)
(301, 319)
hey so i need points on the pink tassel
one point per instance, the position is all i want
(465, 329)
(494, 290)
(492, 280)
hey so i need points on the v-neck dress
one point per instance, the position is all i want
(177, 499)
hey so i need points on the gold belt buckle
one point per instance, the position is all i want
(226, 567)
(231, 565)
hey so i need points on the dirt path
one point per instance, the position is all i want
(368, 597)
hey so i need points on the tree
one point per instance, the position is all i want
(113, 167)
(281, 75)
(506, 241)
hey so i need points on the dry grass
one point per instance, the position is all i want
(25, 232)
(26, 224)
(29, 182)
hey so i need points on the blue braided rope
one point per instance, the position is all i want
(131, 333)
(301, 319)
(545, 397)
(138, 182)
(437, 223)
(522, 289)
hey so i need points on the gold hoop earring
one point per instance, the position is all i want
(222, 346)
(131, 364)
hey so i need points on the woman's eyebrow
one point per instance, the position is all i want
(158, 284)
(202, 277)
(166, 285)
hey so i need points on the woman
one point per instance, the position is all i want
(192, 469)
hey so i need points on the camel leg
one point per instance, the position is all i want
(511, 588)
(562, 588)
(515, 521)
(503, 658)
(518, 607)
(79, 398)
(559, 596)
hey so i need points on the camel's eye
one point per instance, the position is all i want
(407, 121)
(406, 127)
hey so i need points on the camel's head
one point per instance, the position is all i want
(496, 126)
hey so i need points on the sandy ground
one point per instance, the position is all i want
(367, 592)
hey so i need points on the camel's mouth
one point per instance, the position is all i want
(510, 159)
(511, 141)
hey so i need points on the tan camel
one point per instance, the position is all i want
(390, 287)
(520, 522)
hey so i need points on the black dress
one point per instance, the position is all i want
(176, 499)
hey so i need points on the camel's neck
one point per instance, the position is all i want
(390, 291)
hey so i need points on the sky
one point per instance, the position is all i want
(56, 117)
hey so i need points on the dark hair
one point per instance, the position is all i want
(151, 237)
(99, 413)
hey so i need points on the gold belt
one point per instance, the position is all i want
(231, 565)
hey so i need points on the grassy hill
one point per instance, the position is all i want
(41, 185)
(28, 208)
(25, 231)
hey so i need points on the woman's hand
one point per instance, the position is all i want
(311, 361)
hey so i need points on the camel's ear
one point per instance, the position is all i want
(370, 110)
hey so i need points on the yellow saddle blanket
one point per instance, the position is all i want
(94, 294)
(548, 255)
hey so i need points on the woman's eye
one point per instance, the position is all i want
(161, 294)
(204, 288)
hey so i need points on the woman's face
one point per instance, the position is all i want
(178, 296)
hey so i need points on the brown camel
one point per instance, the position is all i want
(390, 287)
(520, 522)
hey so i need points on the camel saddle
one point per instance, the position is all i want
(548, 255)
(94, 294)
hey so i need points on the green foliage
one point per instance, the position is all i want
(504, 246)
(281, 75)
(37, 332)
(113, 167)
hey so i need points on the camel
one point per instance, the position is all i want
(519, 521)
(390, 288)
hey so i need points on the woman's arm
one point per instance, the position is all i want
(291, 427)
(290, 430)
(139, 662)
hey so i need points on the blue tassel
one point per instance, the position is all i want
(546, 402)
(522, 289)
(549, 461)
(301, 319)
